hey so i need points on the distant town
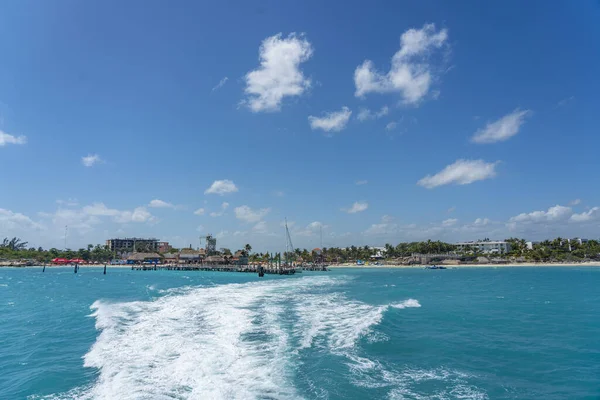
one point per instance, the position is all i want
(136, 250)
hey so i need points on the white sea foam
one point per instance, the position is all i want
(407, 304)
(189, 346)
(334, 319)
(333, 322)
(237, 341)
(449, 384)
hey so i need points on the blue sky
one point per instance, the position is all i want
(379, 122)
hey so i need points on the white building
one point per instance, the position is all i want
(488, 247)
(380, 252)
(579, 240)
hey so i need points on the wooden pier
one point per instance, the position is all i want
(271, 269)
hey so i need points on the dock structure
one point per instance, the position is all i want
(268, 269)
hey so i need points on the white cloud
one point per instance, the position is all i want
(6, 138)
(220, 84)
(200, 211)
(380, 229)
(138, 214)
(311, 229)
(451, 209)
(157, 203)
(387, 218)
(331, 122)
(100, 209)
(315, 225)
(222, 234)
(83, 220)
(91, 160)
(410, 74)
(76, 220)
(365, 114)
(249, 215)
(481, 222)
(450, 222)
(224, 207)
(502, 129)
(462, 172)
(575, 202)
(260, 227)
(363, 182)
(221, 187)
(553, 214)
(11, 221)
(200, 228)
(391, 126)
(278, 193)
(386, 227)
(586, 216)
(356, 207)
(553, 222)
(279, 74)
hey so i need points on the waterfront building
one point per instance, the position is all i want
(144, 258)
(132, 244)
(164, 247)
(191, 256)
(488, 246)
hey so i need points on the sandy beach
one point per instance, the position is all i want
(417, 266)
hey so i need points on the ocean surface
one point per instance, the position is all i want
(481, 333)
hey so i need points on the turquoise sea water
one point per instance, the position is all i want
(505, 333)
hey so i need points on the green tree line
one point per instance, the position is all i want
(15, 249)
(558, 249)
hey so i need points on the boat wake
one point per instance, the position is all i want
(237, 341)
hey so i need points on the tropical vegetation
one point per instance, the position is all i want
(556, 250)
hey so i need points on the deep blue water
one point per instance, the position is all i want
(504, 333)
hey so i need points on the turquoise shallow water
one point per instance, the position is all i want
(505, 333)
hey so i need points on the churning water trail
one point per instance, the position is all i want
(235, 341)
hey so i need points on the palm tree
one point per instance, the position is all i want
(389, 250)
(14, 244)
(248, 248)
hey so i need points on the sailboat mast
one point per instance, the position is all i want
(286, 242)
(321, 232)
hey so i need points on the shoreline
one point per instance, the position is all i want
(354, 266)
(450, 266)
(66, 266)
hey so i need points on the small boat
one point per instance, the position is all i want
(435, 267)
